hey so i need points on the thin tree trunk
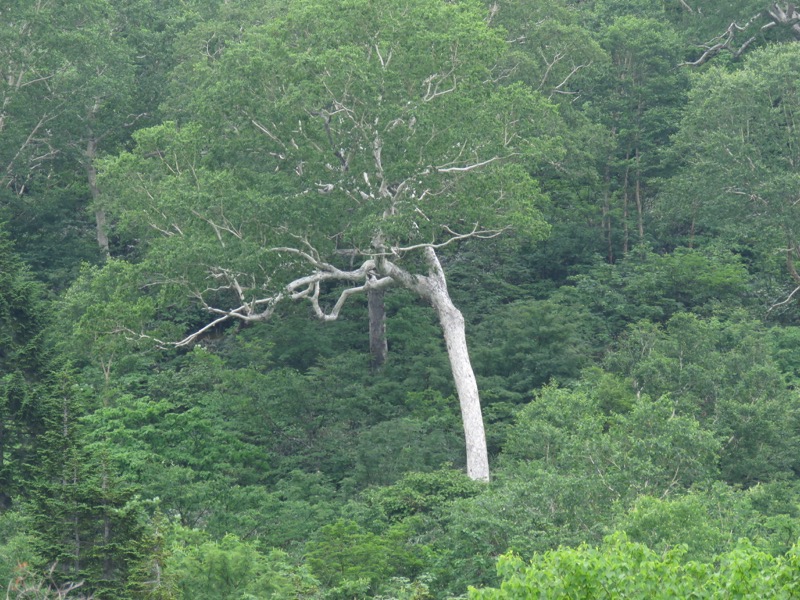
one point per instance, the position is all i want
(607, 212)
(625, 202)
(76, 523)
(639, 204)
(790, 251)
(99, 213)
(378, 347)
(5, 499)
(455, 338)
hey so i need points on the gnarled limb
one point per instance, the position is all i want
(786, 15)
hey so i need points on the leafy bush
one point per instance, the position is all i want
(621, 569)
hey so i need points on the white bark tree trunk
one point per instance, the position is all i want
(433, 288)
(452, 322)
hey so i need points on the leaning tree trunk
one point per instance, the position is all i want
(452, 322)
(433, 288)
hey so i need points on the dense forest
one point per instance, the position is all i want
(399, 299)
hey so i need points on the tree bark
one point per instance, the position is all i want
(625, 203)
(99, 213)
(607, 227)
(639, 204)
(378, 347)
(455, 338)
(5, 499)
(433, 288)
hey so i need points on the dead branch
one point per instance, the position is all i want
(371, 284)
(476, 233)
(218, 229)
(307, 287)
(725, 41)
(558, 90)
(788, 299)
(444, 169)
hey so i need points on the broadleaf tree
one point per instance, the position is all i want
(341, 148)
(742, 159)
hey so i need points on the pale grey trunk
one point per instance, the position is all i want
(5, 499)
(378, 347)
(452, 322)
(433, 288)
(99, 213)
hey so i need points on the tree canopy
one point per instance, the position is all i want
(267, 269)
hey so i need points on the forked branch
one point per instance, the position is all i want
(306, 287)
(777, 15)
(477, 233)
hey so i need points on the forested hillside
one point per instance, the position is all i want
(408, 299)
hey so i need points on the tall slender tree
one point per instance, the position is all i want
(342, 145)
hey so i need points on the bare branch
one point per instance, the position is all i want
(269, 134)
(191, 338)
(28, 142)
(312, 258)
(307, 287)
(788, 299)
(743, 47)
(558, 56)
(331, 273)
(777, 16)
(384, 63)
(371, 284)
(476, 233)
(558, 90)
(21, 85)
(467, 168)
(228, 226)
(134, 119)
(493, 10)
(434, 82)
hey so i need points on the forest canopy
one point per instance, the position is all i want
(410, 300)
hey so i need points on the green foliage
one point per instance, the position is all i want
(87, 521)
(634, 378)
(17, 546)
(551, 52)
(720, 373)
(76, 80)
(523, 345)
(343, 553)
(623, 569)
(647, 285)
(230, 569)
(708, 521)
(421, 493)
(21, 356)
(573, 460)
(637, 97)
(740, 174)
(648, 449)
(388, 125)
(103, 313)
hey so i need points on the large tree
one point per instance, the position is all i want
(742, 171)
(339, 149)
